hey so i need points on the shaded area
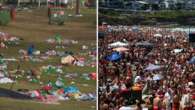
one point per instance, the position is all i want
(166, 17)
(13, 94)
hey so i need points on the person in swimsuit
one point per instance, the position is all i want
(156, 103)
(175, 102)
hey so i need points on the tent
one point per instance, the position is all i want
(144, 44)
(67, 60)
(114, 56)
(118, 44)
(157, 35)
(120, 49)
(152, 67)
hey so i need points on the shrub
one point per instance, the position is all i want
(4, 17)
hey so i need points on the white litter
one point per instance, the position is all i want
(5, 80)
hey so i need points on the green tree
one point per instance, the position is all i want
(4, 17)
(155, 7)
(145, 7)
(179, 6)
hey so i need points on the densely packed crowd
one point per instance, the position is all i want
(156, 70)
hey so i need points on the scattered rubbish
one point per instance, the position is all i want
(84, 47)
(67, 60)
(5, 80)
(53, 91)
(51, 69)
(7, 39)
(88, 97)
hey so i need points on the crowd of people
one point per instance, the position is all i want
(155, 71)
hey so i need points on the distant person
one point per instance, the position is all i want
(13, 13)
(0, 6)
(30, 50)
(186, 101)
(156, 103)
(175, 102)
(138, 105)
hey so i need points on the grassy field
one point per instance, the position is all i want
(33, 27)
(10, 104)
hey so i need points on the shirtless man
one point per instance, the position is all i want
(156, 103)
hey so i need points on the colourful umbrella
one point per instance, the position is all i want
(121, 49)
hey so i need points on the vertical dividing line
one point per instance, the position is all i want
(97, 59)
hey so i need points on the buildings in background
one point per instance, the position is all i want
(148, 4)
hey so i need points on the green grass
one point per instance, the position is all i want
(34, 29)
(10, 104)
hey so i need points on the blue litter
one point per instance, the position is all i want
(31, 50)
(114, 57)
(71, 89)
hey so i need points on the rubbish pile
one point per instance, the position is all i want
(51, 69)
(57, 39)
(79, 61)
(7, 39)
(50, 90)
(58, 53)
(90, 76)
(92, 62)
(5, 80)
(3, 72)
(68, 60)
(32, 55)
(52, 94)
